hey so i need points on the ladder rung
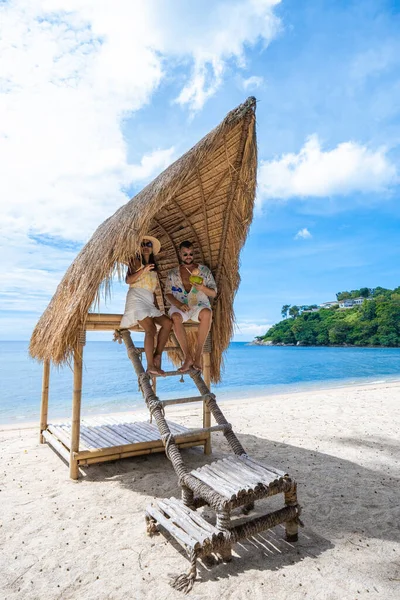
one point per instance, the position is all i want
(183, 400)
(169, 374)
(203, 430)
(141, 349)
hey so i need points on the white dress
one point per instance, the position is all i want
(140, 301)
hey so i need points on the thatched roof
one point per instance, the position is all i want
(206, 196)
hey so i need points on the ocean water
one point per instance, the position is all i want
(109, 383)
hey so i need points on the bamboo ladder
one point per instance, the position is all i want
(223, 485)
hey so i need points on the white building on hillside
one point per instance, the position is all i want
(329, 304)
(350, 302)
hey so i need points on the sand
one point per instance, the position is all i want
(86, 539)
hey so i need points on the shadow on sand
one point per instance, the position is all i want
(340, 499)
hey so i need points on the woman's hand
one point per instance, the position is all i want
(148, 268)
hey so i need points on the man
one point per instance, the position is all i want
(190, 301)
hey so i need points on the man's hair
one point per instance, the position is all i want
(185, 244)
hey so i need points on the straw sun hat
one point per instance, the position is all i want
(155, 241)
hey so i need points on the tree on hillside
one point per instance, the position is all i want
(338, 333)
(376, 322)
(343, 296)
(284, 310)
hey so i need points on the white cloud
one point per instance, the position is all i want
(67, 83)
(350, 167)
(375, 60)
(303, 234)
(231, 27)
(152, 163)
(252, 83)
(247, 330)
(71, 74)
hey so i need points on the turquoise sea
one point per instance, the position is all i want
(109, 384)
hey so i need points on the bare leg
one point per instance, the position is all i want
(205, 318)
(182, 339)
(149, 335)
(163, 335)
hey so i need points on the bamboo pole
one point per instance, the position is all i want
(44, 407)
(56, 444)
(76, 411)
(98, 457)
(206, 410)
(182, 400)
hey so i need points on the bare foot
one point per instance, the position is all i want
(157, 361)
(186, 365)
(153, 370)
(197, 364)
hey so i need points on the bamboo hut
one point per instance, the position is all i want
(206, 196)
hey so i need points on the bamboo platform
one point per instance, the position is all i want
(98, 439)
(105, 438)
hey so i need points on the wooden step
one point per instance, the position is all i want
(173, 373)
(211, 429)
(235, 477)
(186, 525)
(183, 400)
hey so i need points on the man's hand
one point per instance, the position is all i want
(184, 307)
(200, 287)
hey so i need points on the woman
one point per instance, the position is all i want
(140, 303)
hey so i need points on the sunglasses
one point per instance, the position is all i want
(185, 254)
(147, 244)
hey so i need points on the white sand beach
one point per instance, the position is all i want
(87, 539)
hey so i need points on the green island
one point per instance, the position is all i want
(364, 317)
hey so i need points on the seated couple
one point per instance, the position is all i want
(188, 301)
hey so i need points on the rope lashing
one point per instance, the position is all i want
(297, 518)
(185, 581)
(187, 496)
(82, 337)
(167, 440)
(117, 337)
(153, 404)
(223, 519)
(208, 398)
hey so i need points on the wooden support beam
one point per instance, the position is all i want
(76, 412)
(203, 431)
(110, 322)
(206, 410)
(57, 445)
(44, 407)
(182, 400)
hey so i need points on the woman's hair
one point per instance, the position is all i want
(132, 267)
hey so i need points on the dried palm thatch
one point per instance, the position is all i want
(206, 196)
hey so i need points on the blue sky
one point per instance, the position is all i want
(96, 100)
